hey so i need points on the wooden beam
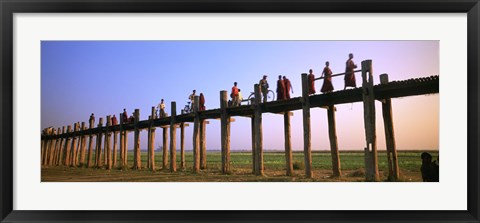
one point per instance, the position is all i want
(392, 156)
(203, 144)
(196, 136)
(182, 146)
(307, 137)
(137, 163)
(371, 162)
(225, 133)
(108, 144)
(83, 146)
(66, 161)
(332, 133)
(254, 154)
(258, 132)
(151, 139)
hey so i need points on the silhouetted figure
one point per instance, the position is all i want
(202, 102)
(264, 87)
(92, 119)
(132, 119)
(327, 81)
(234, 94)
(349, 72)
(240, 97)
(311, 82)
(288, 87)
(114, 120)
(192, 98)
(161, 107)
(280, 89)
(430, 170)
(125, 116)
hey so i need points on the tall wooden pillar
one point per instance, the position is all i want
(307, 137)
(66, 161)
(98, 151)
(225, 133)
(58, 147)
(196, 136)
(254, 155)
(393, 173)
(151, 141)
(125, 149)
(165, 148)
(257, 125)
(203, 144)
(52, 149)
(74, 146)
(61, 148)
(122, 142)
(115, 147)
(90, 146)
(173, 139)
(137, 164)
(108, 145)
(182, 146)
(371, 162)
(332, 133)
(83, 146)
(288, 143)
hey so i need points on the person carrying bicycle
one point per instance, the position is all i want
(192, 98)
(264, 87)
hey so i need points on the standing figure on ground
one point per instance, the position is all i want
(92, 119)
(288, 86)
(161, 107)
(114, 120)
(349, 72)
(280, 89)
(202, 102)
(240, 97)
(192, 97)
(311, 82)
(327, 81)
(264, 87)
(429, 169)
(234, 94)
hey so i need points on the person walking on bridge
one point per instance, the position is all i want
(201, 102)
(234, 94)
(280, 89)
(327, 81)
(161, 107)
(311, 82)
(264, 87)
(92, 119)
(349, 72)
(288, 86)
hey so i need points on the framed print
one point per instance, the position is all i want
(239, 111)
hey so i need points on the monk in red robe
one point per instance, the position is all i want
(288, 86)
(311, 82)
(327, 81)
(349, 72)
(202, 102)
(280, 89)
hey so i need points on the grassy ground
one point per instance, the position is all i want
(352, 164)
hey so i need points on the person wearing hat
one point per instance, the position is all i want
(264, 87)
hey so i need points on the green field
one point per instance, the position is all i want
(352, 164)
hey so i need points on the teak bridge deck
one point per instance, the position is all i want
(64, 149)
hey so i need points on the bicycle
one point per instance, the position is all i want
(270, 94)
(187, 109)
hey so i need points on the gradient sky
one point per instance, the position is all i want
(103, 77)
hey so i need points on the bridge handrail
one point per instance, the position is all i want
(334, 75)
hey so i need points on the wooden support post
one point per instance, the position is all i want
(52, 149)
(371, 162)
(203, 145)
(108, 145)
(122, 142)
(79, 144)
(61, 148)
(137, 163)
(151, 139)
(225, 133)
(173, 139)
(98, 152)
(258, 132)
(90, 146)
(252, 119)
(125, 150)
(288, 143)
(115, 146)
(66, 161)
(332, 133)
(42, 150)
(393, 173)
(165, 148)
(195, 140)
(183, 165)
(83, 147)
(73, 152)
(307, 137)
(57, 148)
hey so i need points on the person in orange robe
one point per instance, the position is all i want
(311, 82)
(349, 72)
(202, 102)
(288, 86)
(327, 81)
(280, 89)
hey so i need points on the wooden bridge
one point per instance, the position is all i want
(60, 147)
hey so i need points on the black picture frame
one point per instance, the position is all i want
(9, 7)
